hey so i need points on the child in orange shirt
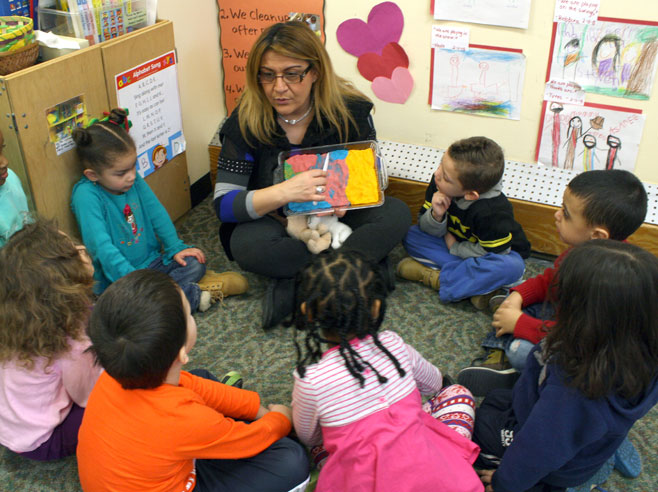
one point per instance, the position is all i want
(149, 425)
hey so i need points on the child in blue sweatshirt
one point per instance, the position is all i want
(586, 384)
(123, 224)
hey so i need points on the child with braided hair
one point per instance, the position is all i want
(361, 397)
(123, 224)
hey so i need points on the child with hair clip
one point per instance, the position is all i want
(361, 395)
(585, 385)
(124, 225)
(46, 374)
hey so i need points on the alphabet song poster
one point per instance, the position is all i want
(242, 21)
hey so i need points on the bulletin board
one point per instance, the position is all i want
(242, 21)
(415, 122)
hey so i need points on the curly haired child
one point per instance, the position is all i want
(124, 225)
(360, 395)
(46, 374)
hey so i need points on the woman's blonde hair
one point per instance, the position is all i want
(329, 93)
(45, 294)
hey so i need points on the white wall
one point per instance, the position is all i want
(197, 40)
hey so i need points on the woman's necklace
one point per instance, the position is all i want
(294, 122)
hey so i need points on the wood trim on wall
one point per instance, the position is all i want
(536, 219)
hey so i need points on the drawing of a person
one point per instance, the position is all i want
(589, 141)
(573, 134)
(615, 144)
(571, 56)
(640, 78)
(159, 156)
(605, 58)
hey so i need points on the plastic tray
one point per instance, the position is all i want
(336, 166)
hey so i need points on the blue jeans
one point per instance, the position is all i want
(517, 349)
(463, 277)
(185, 276)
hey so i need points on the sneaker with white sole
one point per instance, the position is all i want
(492, 372)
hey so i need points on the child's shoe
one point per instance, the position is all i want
(410, 269)
(482, 302)
(232, 378)
(599, 477)
(221, 285)
(486, 374)
(497, 300)
(319, 456)
(627, 460)
(205, 301)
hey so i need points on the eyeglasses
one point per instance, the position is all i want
(288, 77)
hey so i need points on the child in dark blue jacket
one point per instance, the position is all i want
(586, 383)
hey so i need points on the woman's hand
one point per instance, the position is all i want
(305, 186)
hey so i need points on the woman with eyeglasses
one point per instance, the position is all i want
(292, 99)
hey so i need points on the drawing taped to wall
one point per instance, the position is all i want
(486, 82)
(612, 58)
(510, 13)
(593, 136)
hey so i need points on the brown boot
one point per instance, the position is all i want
(483, 301)
(221, 285)
(411, 269)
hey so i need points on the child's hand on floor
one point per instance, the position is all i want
(184, 253)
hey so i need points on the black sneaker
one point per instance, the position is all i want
(495, 371)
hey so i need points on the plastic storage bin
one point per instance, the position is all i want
(346, 176)
(95, 24)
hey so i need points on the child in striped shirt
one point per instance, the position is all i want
(361, 398)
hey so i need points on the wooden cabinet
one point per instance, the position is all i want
(26, 95)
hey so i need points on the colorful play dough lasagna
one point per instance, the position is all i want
(351, 179)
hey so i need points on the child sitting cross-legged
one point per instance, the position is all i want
(358, 392)
(149, 425)
(46, 373)
(601, 204)
(466, 242)
(588, 381)
(124, 225)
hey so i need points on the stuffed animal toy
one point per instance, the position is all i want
(316, 240)
(339, 231)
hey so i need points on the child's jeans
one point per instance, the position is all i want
(283, 466)
(517, 349)
(185, 276)
(463, 277)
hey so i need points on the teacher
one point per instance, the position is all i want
(292, 99)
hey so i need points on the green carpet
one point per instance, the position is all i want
(230, 338)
